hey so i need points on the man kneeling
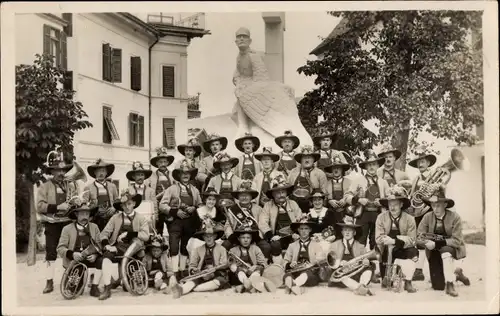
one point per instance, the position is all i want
(246, 273)
(210, 257)
(346, 249)
(79, 241)
(304, 251)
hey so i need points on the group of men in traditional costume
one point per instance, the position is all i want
(250, 212)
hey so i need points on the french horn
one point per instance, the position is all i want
(133, 271)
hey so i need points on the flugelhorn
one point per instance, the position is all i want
(440, 175)
(352, 266)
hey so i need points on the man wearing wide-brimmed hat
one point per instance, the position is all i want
(102, 191)
(388, 172)
(121, 230)
(248, 166)
(244, 213)
(443, 252)
(288, 142)
(191, 151)
(52, 206)
(206, 256)
(214, 144)
(277, 215)
(137, 177)
(397, 229)
(225, 181)
(303, 250)
(262, 179)
(179, 204)
(338, 185)
(324, 143)
(248, 278)
(423, 160)
(347, 248)
(306, 177)
(80, 240)
(364, 195)
(161, 179)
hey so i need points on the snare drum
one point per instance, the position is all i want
(274, 273)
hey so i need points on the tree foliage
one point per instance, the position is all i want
(406, 70)
(46, 115)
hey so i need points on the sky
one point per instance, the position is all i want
(212, 59)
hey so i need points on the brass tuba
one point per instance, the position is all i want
(440, 175)
(75, 276)
(393, 278)
(75, 174)
(352, 267)
(133, 271)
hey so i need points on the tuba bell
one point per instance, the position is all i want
(75, 276)
(352, 267)
(133, 271)
(440, 175)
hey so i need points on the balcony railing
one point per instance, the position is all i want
(195, 21)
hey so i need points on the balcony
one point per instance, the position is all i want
(195, 21)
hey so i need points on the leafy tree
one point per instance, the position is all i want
(409, 71)
(46, 116)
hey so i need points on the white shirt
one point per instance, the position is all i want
(226, 176)
(315, 213)
(347, 245)
(204, 211)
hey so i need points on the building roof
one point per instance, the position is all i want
(340, 29)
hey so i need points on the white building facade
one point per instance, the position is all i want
(130, 76)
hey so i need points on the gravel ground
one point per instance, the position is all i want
(30, 284)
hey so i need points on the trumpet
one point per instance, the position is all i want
(440, 175)
(204, 273)
(239, 261)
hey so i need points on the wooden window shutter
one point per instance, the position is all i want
(106, 132)
(169, 133)
(64, 51)
(168, 81)
(68, 17)
(131, 129)
(116, 64)
(106, 62)
(135, 73)
(141, 131)
(57, 53)
(46, 39)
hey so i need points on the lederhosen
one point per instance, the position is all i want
(282, 221)
(121, 247)
(389, 176)
(208, 262)
(83, 240)
(210, 174)
(162, 184)
(245, 256)
(180, 230)
(339, 213)
(435, 259)
(302, 182)
(53, 230)
(397, 253)
(265, 186)
(325, 158)
(104, 203)
(370, 213)
(287, 164)
(303, 257)
(248, 167)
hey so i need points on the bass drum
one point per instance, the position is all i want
(274, 273)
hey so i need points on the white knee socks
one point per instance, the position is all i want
(366, 276)
(50, 268)
(421, 259)
(207, 286)
(301, 279)
(407, 267)
(175, 263)
(97, 277)
(182, 263)
(448, 267)
(107, 271)
(350, 283)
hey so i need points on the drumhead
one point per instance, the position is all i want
(274, 273)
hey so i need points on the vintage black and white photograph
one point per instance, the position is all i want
(260, 157)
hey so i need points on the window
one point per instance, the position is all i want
(111, 63)
(68, 81)
(135, 73)
(117, 184)
(168, 73)
(55, 44)
(169, 133)
(108, 126)
(136, 129)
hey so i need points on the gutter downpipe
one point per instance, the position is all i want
(149, 92)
